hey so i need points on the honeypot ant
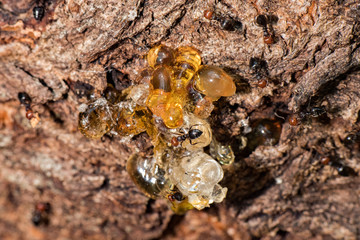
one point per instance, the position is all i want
(191, 135)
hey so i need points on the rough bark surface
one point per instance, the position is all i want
(275, 192)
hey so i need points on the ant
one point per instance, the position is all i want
(25, 100)
(265, 22)
(226, 23)
(191, 135)
(175, 196)
(41, 214)
(342, 169)
(314, 112)
(32, 116)
(259, 68)
(351, 139)
(39, 11)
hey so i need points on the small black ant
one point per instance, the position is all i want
(265, 22)
(226, 23)
(352, 138)
(314, 112)
(175, 196)
(41, 214)
(342, 169)
(39, 12)
(258, 66)
(24, 99)
(191, 135)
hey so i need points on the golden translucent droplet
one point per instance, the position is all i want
(187, 62)
(188, 55)
(180, 207)
(214, 82)
(173, 116)
(161, 78)
(160, 55)
(157, 101)
(223, 153)
(264, 132)
(203, 108)
(97, 119)
(146, 174)
(131, 122)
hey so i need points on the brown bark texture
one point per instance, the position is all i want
(275, 192)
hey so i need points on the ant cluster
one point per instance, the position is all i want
(171, 106)
(228, 23)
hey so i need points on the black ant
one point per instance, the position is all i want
(265, 22)
(351, 139)
(39, 11)
(191, 135)
(25, 100)
(342, 169)
(175, 196)
(226, 23)
(314, 112)
(41, 214)
(258, 67)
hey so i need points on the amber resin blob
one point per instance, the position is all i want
(171, 105)
(214, 82)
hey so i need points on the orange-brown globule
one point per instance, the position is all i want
(160, 55)
(187, 62)
(208, 14)
(29, 114)
(214, 82)
(97, 119)
(268, 39)
(293, 121)
(162, 78)
(262, 83)
(131, 122)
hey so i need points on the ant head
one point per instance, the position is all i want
(261, 20)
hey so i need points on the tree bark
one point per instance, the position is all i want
(275, 192)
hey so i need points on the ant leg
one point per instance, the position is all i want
(194, 126)
(192, 143)
(182, 131)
